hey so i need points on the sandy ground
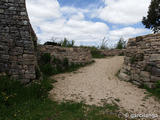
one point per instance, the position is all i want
(97, 83)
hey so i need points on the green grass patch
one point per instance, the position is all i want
(18, 102)
(51, 66)
(97, 54)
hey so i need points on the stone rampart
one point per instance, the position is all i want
(17, 41)
(142, 60)
(74, 54)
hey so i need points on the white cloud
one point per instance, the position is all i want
(52, 20)
(126, 33)
(49, 19)
(124, 11)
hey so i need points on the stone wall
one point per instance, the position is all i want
(142, 60)
(74, 55)
(113, 52)
(17, 41)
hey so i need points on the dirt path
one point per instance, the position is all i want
(97, 82)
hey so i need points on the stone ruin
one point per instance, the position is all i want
(18, 46)
(74, 55)
(17, 41)
(142, 61)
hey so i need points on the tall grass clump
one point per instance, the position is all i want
(18, 101)
(97, 53)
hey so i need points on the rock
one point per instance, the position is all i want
(155, 57)
(155, 72)
(145, 74)
(124, 76)
(136, 83)
(155, 79)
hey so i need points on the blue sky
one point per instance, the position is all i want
(87, 21)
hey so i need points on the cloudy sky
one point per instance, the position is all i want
(87, 21)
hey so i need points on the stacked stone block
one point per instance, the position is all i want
(17, 50)
(74, 55)
(142, 61)
(113, 52)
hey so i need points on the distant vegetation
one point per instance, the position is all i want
(67, 43)
(97, 53)
(121, 44)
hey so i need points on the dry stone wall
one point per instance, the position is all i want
(74, 55)
(17, 41)
(113, 52)
(142, 60)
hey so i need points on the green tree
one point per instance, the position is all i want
(121, 44)
(67, 43)
(152, 21)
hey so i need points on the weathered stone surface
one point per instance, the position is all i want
(144, 74)
(136, 83)
(155, 79)
(74, 55)
(142, 60)
(114, 52)
(155, 71)
(16, 46)
(155, 57)
(124, 76)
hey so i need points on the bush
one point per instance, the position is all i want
(47, 69)
(18, 100)
(45, 58)
(66, 63)
(67, 43)
(97, 54)
(121, 44)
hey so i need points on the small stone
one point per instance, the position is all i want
(155, 72)
(124, 76)
(145, 74)
(155, 79)
(23, 13)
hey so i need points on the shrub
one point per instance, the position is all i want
(97, 54)
(17, 100)
(47, 69)
(66, 63)
(45, 58)
(38, 73)
(67, 43)
(121, 44)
